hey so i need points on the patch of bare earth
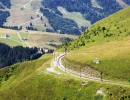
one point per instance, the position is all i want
(19, 14)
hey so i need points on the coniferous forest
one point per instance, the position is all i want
(9, 56)
(4, 14)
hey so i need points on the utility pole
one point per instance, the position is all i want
(65, 49)
(101, 76)
(65, 46)
(65, 61)
(54, 55)
(65, 66)
(80, 71)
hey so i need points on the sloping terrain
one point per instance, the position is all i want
(34, 38)
(58, 16)
(106, 41)
(90, 10)
(31, 81)
(23, 11)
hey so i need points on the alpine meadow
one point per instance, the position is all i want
(64, 50)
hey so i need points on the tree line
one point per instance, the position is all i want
(4, 14)
(11, 55)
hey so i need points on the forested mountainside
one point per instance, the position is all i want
(63, 25)
(91, 11)
(9, 56)
(4, 14)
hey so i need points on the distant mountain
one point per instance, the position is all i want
(62, 16)
(90, 10)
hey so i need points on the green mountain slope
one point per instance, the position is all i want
(31, 81)
(108, 40)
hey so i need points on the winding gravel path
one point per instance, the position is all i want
(58, 60)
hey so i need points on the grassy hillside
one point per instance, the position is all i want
(13, 40)
(34, 38)
(24, 14)
(50, 40)
(114, 27)
(31, 81)
(108, 40)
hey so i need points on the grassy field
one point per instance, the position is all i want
(114, 58)
(107, 40)
(24, 35)
(13, 40)
(34, 38)
(43, 39)
(30, 81)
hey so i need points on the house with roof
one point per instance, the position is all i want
(6, 36)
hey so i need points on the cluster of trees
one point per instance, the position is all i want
(1, 6)
(87, 37)
(9, 56)
(49, 30)
(12, 27)
(65, 39)
(31, 28)
(85, 7)
(59, 24)
(3, 17)
(6, 3)
(4, 14)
